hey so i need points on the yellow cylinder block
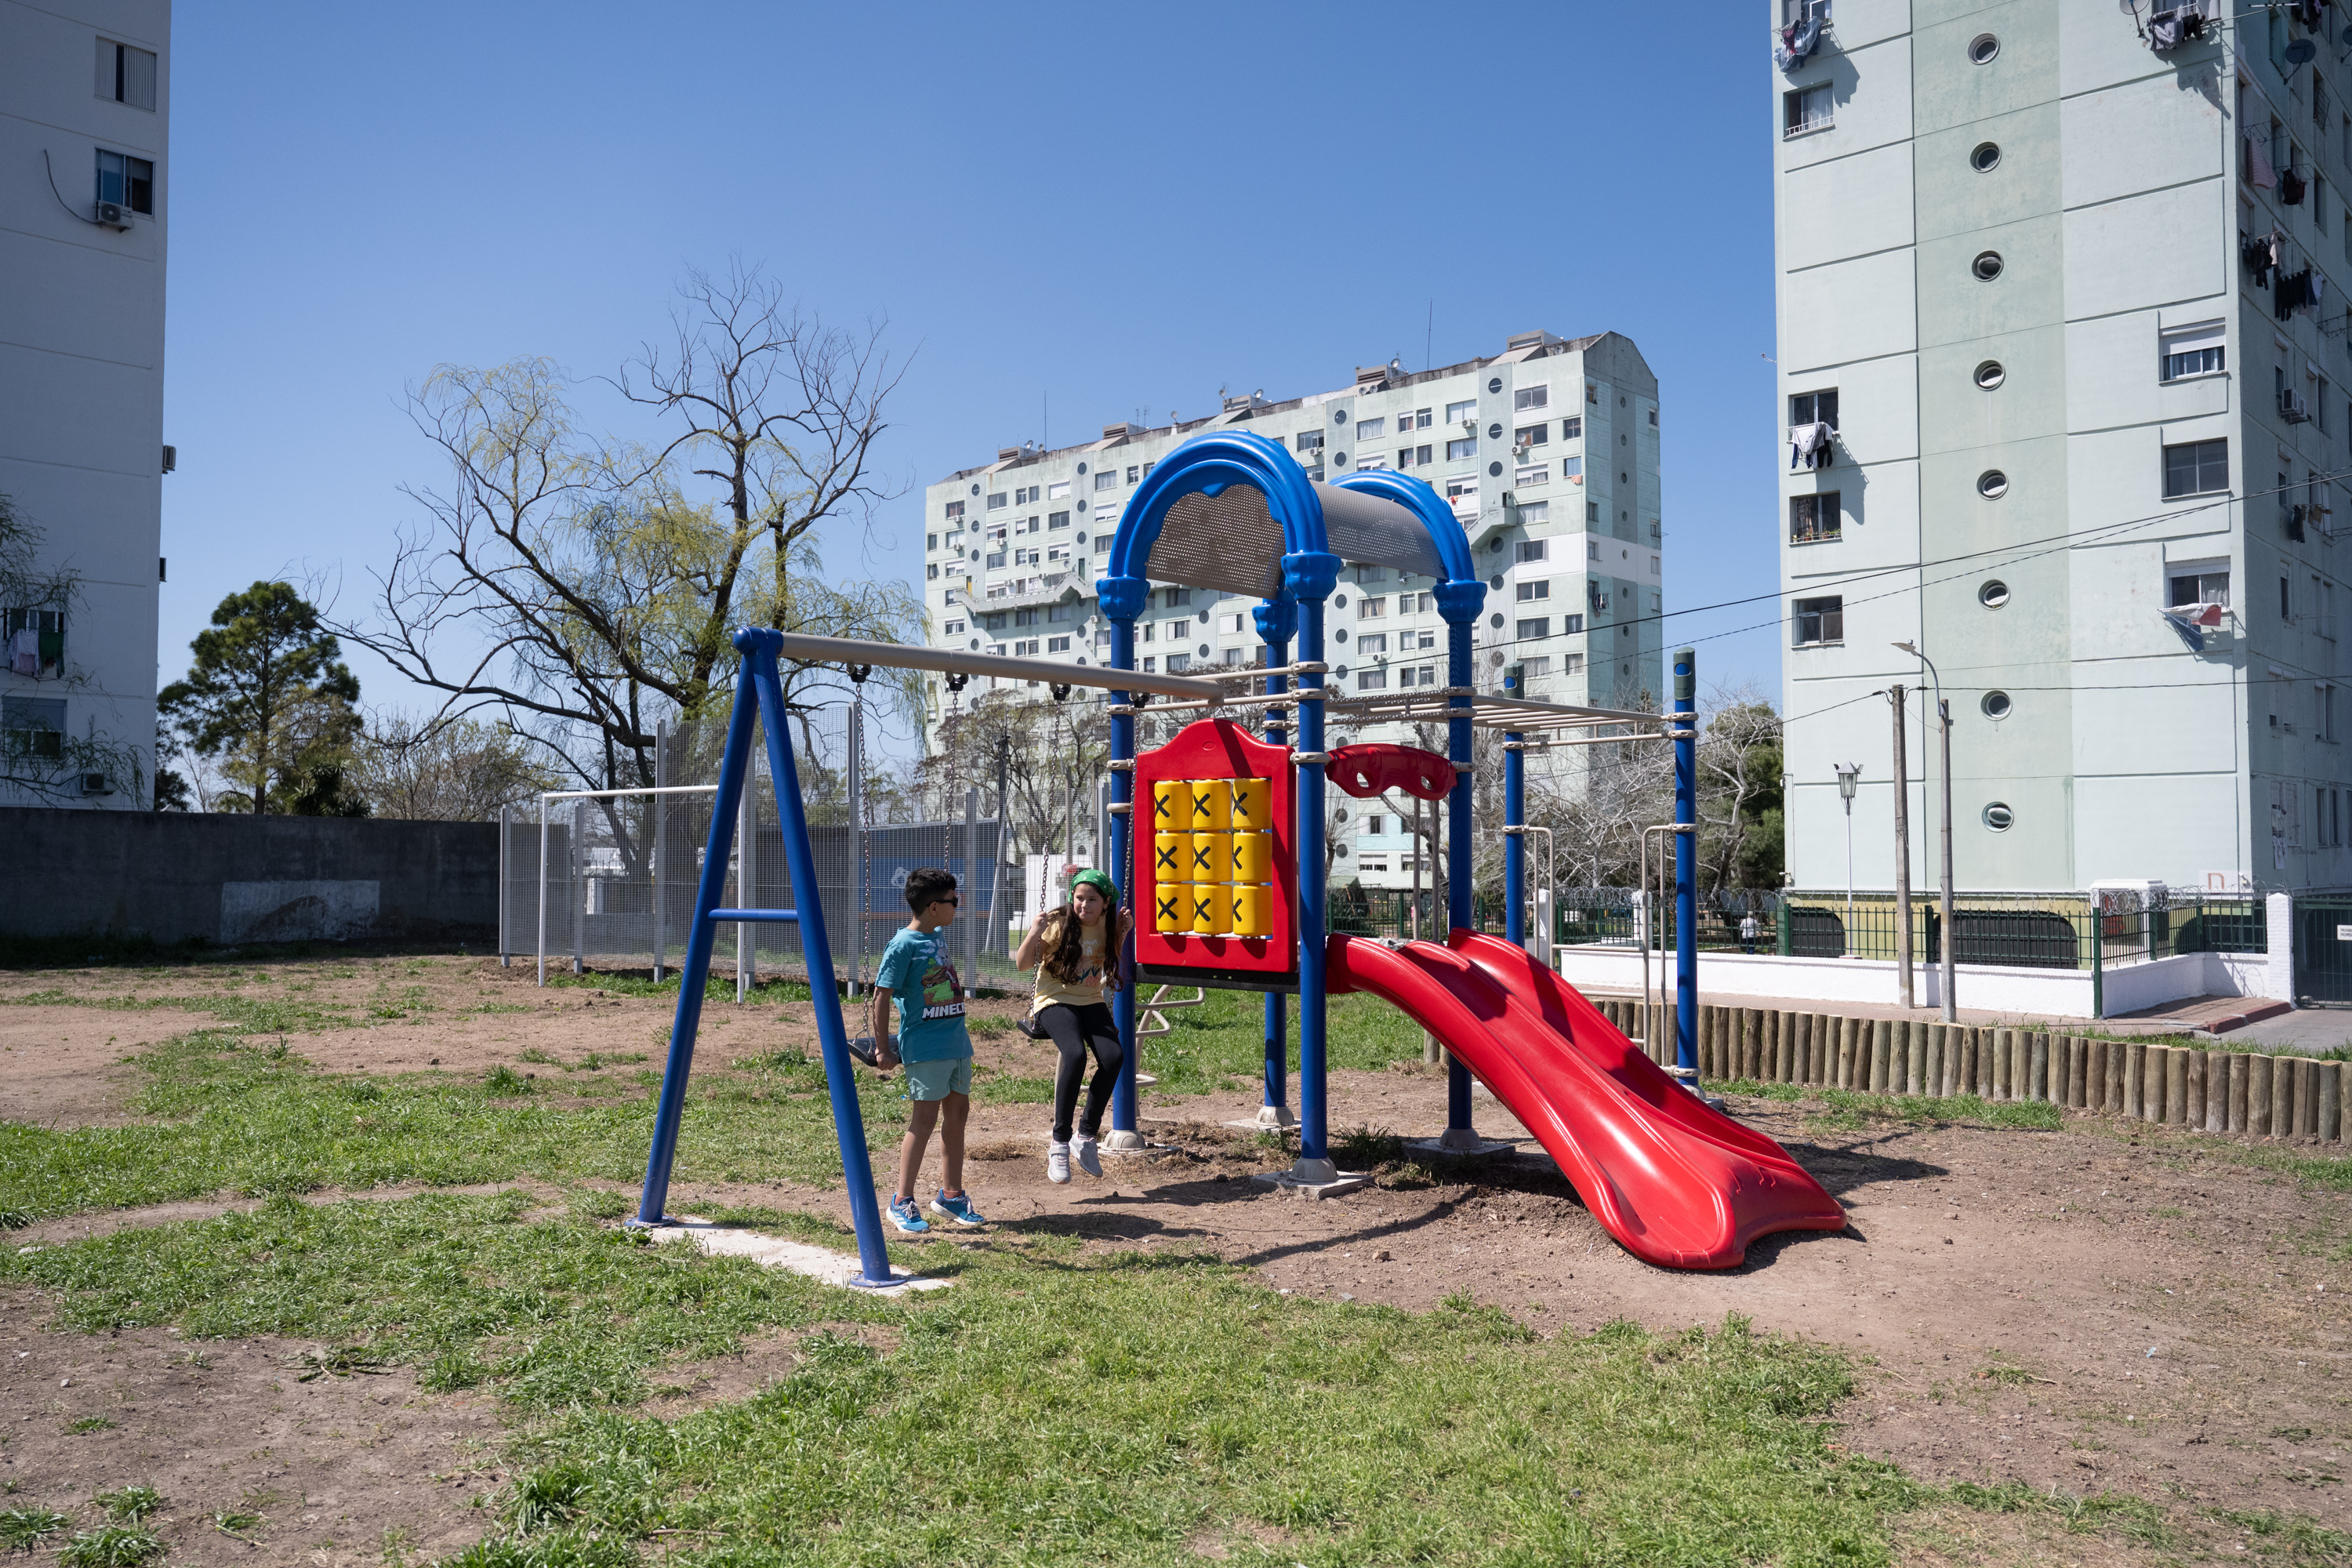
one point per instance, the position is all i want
(1172, 908)
(1252, 804)
(1210, 854)
(1172, 857)
(1252, 858)
(1171, 806)
(1253, 909)
(1212, 907)
(1213, 806)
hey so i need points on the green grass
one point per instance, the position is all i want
(1224, 1038)
(1055, 1408)
(1845, 1110)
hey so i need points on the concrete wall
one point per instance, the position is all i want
(177, 878)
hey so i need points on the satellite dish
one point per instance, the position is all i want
(2300, 51)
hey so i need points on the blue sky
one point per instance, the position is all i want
(1114, 208)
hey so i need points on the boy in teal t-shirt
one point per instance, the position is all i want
(917, 973)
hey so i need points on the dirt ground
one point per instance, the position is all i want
(2103, 1305)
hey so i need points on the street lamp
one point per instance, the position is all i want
(1944, 718)
(1849, 774)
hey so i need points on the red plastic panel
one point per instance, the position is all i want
(1219, 749)
(1369, 769)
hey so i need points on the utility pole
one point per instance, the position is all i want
(1902, 850)
(1944, 903)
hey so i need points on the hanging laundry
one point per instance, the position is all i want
(2306, 12)
(2290, 187)
(2258, 160)
(1798, 41)
(2167, 30)
(1808, 445)
(2260, 256)
(25, 652)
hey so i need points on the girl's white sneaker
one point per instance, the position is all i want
(1057, 1162)
(1088, 1160)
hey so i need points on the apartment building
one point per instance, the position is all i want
(85, 115)
(2062, 364)
(1548, 452)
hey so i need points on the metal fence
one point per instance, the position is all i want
(2035, 930)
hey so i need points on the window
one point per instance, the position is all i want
(1419, 417)
(2319, 403)
(1172, 598)
(2193, 351)
(2327, 611)
(1455, 413)
(126, 75)
(994, 623)
(1539, 626)
(1367, 460)
(1572, 626)
(931, 571)
(1982, 48)
(2323, 713)
(1371, 573)
(1529, 549)
(996, 502)
(1058, 490)
(1103, 641)
(1058, 645)
(1807, 110)
(1527, 398)
(1056, 552)
(1371, 609)
(955, 511)
(1308, 440)
(1372, 642)
(1131, 473)
(995, 561)
(1025, 498)
(1986, 158)
(1425, 675)
(1815, 518)
(1413, 457)
(1461, 447)
(1106, 481)
(2286, 598)
(1370, 429)
(1814, 409)
(1025, 617)
(1230, 624)
(1534, 591)
(2196, 468)
(126, 181)
(1234, 656)
(1531, 476)
(33, 726)
(1149, 664)
(1371, 680)
(1531, 436)
(1531, 513)
(930, 542)
(1462, 489)
(1987, 265)
(1820, 621)
(1062, 613)
(1057, 520)
(2198, 586)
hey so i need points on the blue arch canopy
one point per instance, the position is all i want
(1234, 512)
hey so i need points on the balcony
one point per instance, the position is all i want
(1027, 593)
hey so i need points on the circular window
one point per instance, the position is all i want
(1995, 704)
(1997, 817)
(1496, 542)
(1494, 432)
(1339, 416)
(1495, 384)
(1495, 620)
(1495, 582)
(1082, 503)
(1494, 471)
(1993, 595)
(1338, 460)
(1205, 650)
(1987, 265)
(1082, 468)
(1341, 635)
(1204, 618)
(1986, 158)
(1993, 484)
(1982, 47)
(1991, 375)
(1340, 673)
(1339, 602)
(976, 645)
(1082, 538)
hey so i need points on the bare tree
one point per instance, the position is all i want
(457, 770)
(570, 585)
(39, 759)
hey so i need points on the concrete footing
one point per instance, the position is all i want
(1315, 1178)
(798, 1256)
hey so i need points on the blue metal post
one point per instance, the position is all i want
(1276, 619)
(1314, 1100)
(1459, 855)
(1122, 835)
(759, 648)
(1685, 865)
(733, 763)
(1515, 845)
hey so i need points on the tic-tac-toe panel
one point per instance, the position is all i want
(1216, 869)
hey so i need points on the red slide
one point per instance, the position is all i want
(1680, 1184)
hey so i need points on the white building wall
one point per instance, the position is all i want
(82, 368)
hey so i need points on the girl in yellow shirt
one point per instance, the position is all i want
(1075, 950)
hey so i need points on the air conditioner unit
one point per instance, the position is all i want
(2292, 407)
(114, 214)
(1470, 426)
(95, 783)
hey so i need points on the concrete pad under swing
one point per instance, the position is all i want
(818, 1263)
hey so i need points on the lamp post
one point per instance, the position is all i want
(1944, 901)
(1849, 774)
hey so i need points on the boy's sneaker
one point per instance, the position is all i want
(903, 1214)
(1088, 1160)
(957, 1209)
(1057, 1162)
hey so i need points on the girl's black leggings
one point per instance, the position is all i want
(1076, 1031)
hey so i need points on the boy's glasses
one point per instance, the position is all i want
(955, 899)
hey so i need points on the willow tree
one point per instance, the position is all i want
(578, 587)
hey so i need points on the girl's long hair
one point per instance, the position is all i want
(1067, 955)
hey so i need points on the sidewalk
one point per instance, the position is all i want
(2186, 1017)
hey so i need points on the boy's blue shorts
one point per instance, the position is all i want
(937, 1079)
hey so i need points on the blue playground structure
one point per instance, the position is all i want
(1676, 1181)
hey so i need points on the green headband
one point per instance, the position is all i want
(1098, 881)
